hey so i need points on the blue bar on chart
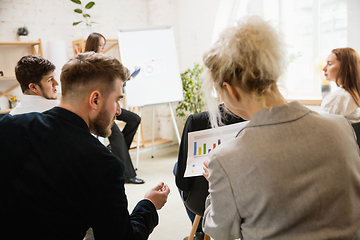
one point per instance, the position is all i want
(194, 148)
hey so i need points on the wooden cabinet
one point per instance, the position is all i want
(10, 53)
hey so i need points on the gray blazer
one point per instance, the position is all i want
(290, 174)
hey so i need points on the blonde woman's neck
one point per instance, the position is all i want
(253, 104)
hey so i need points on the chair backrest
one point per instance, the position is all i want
(195, 189)
(356, 127)
(195, 198)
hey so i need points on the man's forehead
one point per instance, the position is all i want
(120, 80)
(48, 75)
(119, 85)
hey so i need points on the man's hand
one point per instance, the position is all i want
(158, 195)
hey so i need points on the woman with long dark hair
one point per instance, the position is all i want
(343, 67)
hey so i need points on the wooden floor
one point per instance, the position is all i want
(149, 143)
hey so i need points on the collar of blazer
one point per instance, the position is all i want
(279, 114)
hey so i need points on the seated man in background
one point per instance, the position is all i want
(35, 75)
(57, 179)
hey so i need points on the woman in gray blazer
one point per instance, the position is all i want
(291, 173)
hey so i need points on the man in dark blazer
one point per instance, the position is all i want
(194, 190)
(58, 179)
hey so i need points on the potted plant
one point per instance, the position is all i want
(87, 18)
(23, 33)
(193, 98)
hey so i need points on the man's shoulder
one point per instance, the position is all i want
(34, 103)
(19, 118)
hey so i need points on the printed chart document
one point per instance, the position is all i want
(201, 143)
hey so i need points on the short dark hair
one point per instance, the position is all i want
(31, 69)
(88, 70)
(92, 42)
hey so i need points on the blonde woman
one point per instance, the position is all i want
(343, 67)
(291, 173)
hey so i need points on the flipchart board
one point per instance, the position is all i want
(153, 50)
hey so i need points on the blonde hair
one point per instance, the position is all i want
(250, 55)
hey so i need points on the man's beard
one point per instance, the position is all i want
(101, 125)
(45, 95)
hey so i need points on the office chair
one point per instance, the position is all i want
(356, 127)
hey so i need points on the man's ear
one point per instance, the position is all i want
(34, 88)
(231, 91)
(94, 99)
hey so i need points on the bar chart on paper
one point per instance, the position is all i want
(202, 143)
(201, 149)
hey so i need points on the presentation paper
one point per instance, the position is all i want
(202, 143)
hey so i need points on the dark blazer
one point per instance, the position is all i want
(57, 180)
(198, 185)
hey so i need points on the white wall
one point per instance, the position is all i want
(192, 21)
(197, 19)
(353, 35)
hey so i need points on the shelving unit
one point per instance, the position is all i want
(9, 83)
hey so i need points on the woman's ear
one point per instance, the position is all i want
(231, 91)
(94, 100)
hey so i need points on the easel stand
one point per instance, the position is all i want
(138, 142)
(174, 122)
(153, 128)
(153, 131)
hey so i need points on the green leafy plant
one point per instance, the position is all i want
(193, 98)
(22, 31)
(82, 11)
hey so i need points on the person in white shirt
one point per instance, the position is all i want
(343, 67)
(35, 75)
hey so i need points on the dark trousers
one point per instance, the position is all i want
(132, 122)
(120, 141)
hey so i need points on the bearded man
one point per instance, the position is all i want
(57, 178)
